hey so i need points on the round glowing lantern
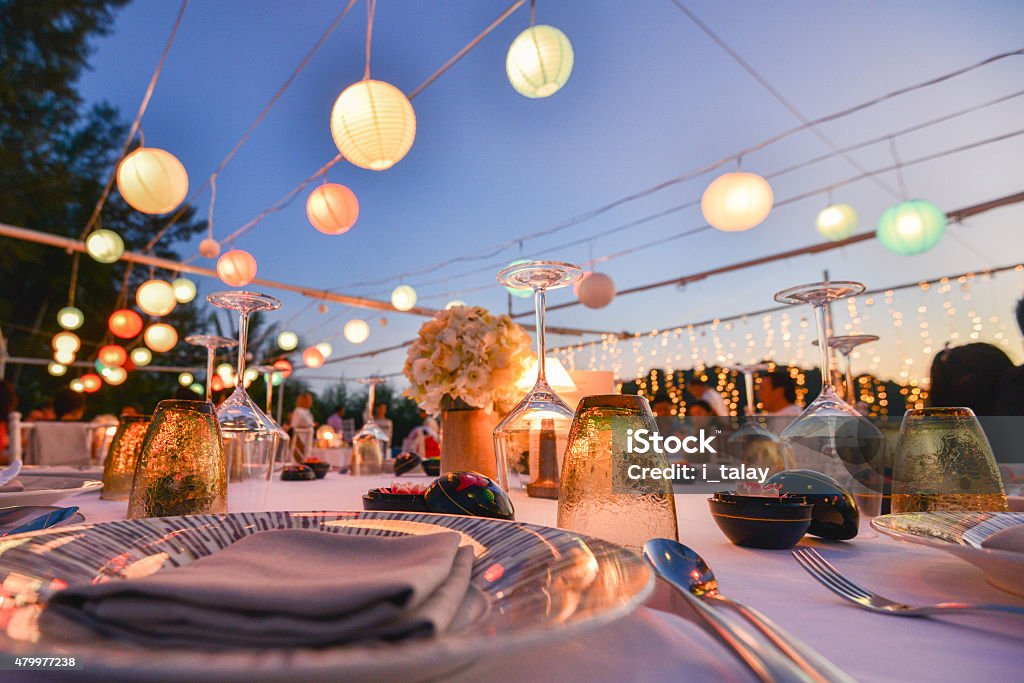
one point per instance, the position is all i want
(454, 303)
(332, 208)
(56, 369)
(911, 227)
(115, 376)
(64, 357)
(77, 386)
(324, 348)
(197, 388)
(276, 379)
(160, 337)
(287, 340)
(357, 331)
(112, 355)
(403, 297)
(185, 379)
(70, 318)
(236, 268)
(209, 248)
(152, 180)
(91, 383)
(373, 124)
(250, 375)
(596, 291)
(141, 356)
(100, 366)
(539, 61)
(217, 383)
(312, 357)
(837, 222)
(105, 246)
(736, 201)
(283, 367)
(156, 297)
(184, 290)
(125, 323)
(225, 371)
(66, 341)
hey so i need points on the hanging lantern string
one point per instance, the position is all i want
(73, 286)
(253, 126)
(899, 169)
(487, 252)
(533, 12)
(371, 6)
(213, 200)
(137, 123)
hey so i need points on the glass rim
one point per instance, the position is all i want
(198, 405)
(134, 418)
(631, 401)
(940, 412)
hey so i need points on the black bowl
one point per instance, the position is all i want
(297, 473)
(432, 466)
(757, 525)
(732, 497)
(320, 467)
(375, 499)
(406, 462)
(836, 516)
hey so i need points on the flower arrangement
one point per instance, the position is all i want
(466, 357)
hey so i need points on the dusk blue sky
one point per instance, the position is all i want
(650, 97)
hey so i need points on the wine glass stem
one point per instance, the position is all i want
(269, 379)
(851, 397)
(824, 355)
(371, 395)
(540, 308)
(748, 380)
(243, 336)
(209, 372)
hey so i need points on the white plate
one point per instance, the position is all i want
(536, 584)
(50, 487)
(962, 533)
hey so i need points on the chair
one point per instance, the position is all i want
(302, 443)
(60, 443)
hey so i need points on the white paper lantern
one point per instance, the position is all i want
(209, 248)
(185, 379)
(597, 290)
(152, 180)
(373, 124)
(539, 61)
(160, 337)
(77, 386)
(184, 290)
(70, 318)
(325, 349)
(66, 341)
(105, 246)
(114, 376)
(403, 297)
(64, 357)
(454, 303)
(736, 201)
(225, 371)
(56, 369)
(357, 331)
(156, 297)
(837, 222)
(141, 356)
(287, 340)
(332, 208)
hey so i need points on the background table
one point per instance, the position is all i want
(647, 645)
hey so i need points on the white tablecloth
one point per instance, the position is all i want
(646, 645)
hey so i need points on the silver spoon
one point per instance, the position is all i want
(685, 568)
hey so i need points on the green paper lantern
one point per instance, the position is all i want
(837, 222)
(911, 227)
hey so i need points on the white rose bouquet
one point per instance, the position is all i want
(466, 357)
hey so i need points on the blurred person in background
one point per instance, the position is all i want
(702, 391)
(777, 394)
(8, 404)
(68, 406)
(971, 376)
(1010, 400)
(43, 412)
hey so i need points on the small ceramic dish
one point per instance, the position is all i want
(320, 467)
(773, 524)
(432, 466)
(376, 499)
(297, 473)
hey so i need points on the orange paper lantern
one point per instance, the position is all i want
(216, 383)
(236, 268)
(332, 208)
(91, 383)
(113, 356)
(312, 357)
(125, 323)
(284, 367)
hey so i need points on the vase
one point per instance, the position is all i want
(467, 442)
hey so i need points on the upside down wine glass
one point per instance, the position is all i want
(370, 443)
(284, 440)
(830, 436)
(845, 345)
(753, 444)
(530, 442)
(250, 438)
(211, 342)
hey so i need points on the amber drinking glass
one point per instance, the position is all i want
(181, 469)
(598, 497)
(119, 467)
(944, 462)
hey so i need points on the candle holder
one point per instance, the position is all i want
(119, 467)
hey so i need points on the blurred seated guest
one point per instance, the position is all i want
(130, 410)
(699, 409)
(8, 404)
(422, 441)
(337, 420)
(43, 412)
(1010, 400)
(702, 391)
(68, 406)
(777, 393)
(301, 423)
(969, 376)
(429, 421)
(668, 423)
(381, 419)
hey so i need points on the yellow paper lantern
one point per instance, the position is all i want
(736, 201)
(66, 341)
(152, 180)
(209, 248)
(837, 222)
(287, 340)
(105, 246)
(184, 290)
(373, 124)
(357, 331)
(539, 61)
(156, 297)
(77, 386)
(56, 369)
(325, 349)
(403, 297)
(64, 357)
(70, 318)
(236, 268)
(332, 208)
(160, 337)
(225, 371)
(185, 379)
(115, 376)
(141, 356)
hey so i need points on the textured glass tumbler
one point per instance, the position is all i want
(598, 497)
(119, 467)
(181, 469)
(944, 462)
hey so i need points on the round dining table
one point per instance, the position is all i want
(656, 644)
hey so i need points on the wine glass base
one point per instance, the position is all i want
(539, 275)
(245, 302)
(846, 343)
(818, 293)
(210, 341)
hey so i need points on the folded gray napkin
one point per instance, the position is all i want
(1006, 539)
(13, 486)
(286, 587)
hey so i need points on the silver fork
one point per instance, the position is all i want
(830, 577)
